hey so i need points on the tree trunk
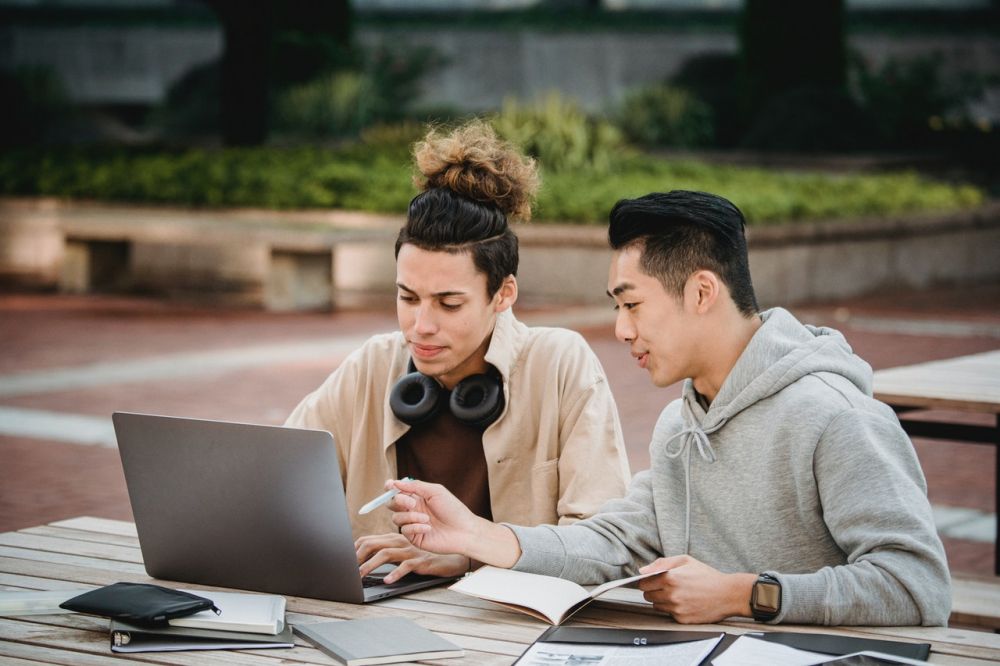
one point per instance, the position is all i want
(790, 44)
(248, 29)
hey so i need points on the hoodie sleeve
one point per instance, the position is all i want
(612, 544)
(875, 505)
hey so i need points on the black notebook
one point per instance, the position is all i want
(835, 645)
(831, 644)
(580, 644)
(377, 641)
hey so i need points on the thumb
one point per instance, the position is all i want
(421, 489)
(655, 565)
(665, 564)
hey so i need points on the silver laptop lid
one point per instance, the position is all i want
(235, 505)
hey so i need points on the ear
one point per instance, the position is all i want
(506, 295)
(702, 291)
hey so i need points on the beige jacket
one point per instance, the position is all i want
(554, 455)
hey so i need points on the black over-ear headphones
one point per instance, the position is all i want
(477, 400)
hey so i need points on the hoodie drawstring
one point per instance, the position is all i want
(705, 450)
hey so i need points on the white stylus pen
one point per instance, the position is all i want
(381, 499)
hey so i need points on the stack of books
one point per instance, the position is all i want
(246, 621)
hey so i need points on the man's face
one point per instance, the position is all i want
(444, 312)
(661, 334)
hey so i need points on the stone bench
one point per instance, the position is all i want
(278, 261)
(286, 260)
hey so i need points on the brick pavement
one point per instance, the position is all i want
(42, 480)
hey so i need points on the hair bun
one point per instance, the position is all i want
(474, 162)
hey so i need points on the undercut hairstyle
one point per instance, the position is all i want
(473, 185)
(681, 232)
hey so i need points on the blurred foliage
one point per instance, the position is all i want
(662, 115)
(331, 105)
(557, 133)
(191, 106)
(903, 98)
(712, 78)
(765, 196)
(382, 88)
(375, 175)
(351, 91)
(811, 119)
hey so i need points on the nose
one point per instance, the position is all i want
(423, 321)
(624, 329)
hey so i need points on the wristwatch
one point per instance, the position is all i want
(765, 601)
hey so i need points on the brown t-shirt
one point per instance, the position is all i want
(447, 451)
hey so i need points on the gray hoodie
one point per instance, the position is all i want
(794, 470)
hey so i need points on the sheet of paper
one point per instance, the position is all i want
(578, 654)
(547, 595)
(746, 651)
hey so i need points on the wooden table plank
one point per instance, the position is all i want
(99, 525)
(63, 558)
(82, 535)
(966, 383)
(102, 551)
(72, 553)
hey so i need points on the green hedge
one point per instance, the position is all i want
(377, 178)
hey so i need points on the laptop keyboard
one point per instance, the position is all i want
(371, 581)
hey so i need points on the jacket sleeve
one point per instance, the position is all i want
(593, 465)
(610, 545)
(330, 407)
(875, 505)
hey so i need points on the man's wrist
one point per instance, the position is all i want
(494, 544)
(741, 591)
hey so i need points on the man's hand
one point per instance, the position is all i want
(433, 519)
(374, 551)
(695, 593)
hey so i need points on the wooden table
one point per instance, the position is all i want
(85, 552)
(965, 384)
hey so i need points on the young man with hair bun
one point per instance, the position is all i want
(517, 421)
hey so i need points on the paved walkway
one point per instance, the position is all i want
(68, 362)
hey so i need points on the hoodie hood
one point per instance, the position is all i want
(781, 352)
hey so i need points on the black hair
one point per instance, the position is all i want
(681, 232)
(441, 220)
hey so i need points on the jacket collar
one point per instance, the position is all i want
(506, 344)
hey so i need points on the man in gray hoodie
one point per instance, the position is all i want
(778, 489)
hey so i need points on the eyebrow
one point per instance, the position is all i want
(624, 286)
(440, 294)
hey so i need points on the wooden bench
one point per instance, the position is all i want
(975, 602)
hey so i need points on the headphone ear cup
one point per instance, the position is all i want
(478, 400)
(415, 398)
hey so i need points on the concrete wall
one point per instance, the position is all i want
(137, 64)
(599, 68)
(120, 65)
(286, 261)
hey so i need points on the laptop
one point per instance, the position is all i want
(244, 506)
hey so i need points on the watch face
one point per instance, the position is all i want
(767, 597)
